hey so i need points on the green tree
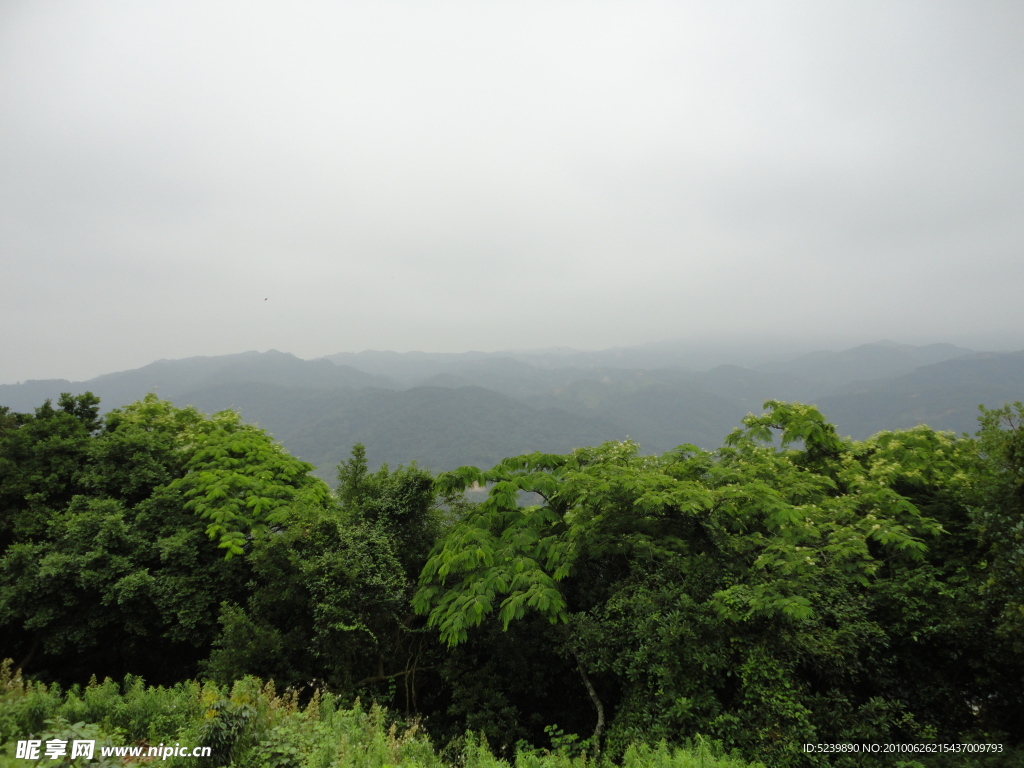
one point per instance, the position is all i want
(996, 503)
(327, 600)
(243, 482)
(41, 455)
(330, 593)
(999, 511)
(105, 566)
(353, 489)
(402, 503)
(738, 593)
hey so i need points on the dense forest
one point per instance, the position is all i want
(790, 587)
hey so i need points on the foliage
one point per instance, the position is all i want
(40, 456)
(243, 482)
(402, 504)
(700, 754)
(751, 593)
(325, 602)
(329, 595)
(104, 567)
(1000, 512)
(790, 587)
(251, 725)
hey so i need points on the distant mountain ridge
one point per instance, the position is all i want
(881, 360)
(172, 378)
(444, 410)
(944, 395)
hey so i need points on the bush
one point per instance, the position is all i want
(252, 726)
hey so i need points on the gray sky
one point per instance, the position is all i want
(446, 176)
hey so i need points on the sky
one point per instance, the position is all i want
(204, 178)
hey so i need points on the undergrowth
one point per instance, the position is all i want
(251, 725)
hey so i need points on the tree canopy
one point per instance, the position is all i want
(791, 587)
(766, 593)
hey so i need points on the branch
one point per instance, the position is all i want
(403, 673)
(599, 728)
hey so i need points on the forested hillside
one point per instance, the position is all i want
(446, 410)
(789, 587)
(945, 395)
(440, 427)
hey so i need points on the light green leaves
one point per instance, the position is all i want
(499, 550)
(235, 476)
(785, 518)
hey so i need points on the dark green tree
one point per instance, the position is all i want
(999, 511)
(106, 567)
(41, 455)
(330, 593)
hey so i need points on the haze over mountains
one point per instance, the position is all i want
(444, 410)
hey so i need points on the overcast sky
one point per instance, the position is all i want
(201, 178)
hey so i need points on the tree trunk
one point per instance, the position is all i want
(595, 739)
(28, 658)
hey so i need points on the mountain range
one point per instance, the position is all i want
(444, 410)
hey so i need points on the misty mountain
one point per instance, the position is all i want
(751, 388)
(172, 378)
(880, 360)
(507, 375)
(688, 355)
(943, 396)
(658, 409)
(407, 368)
(439, 428)
(443, 410)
